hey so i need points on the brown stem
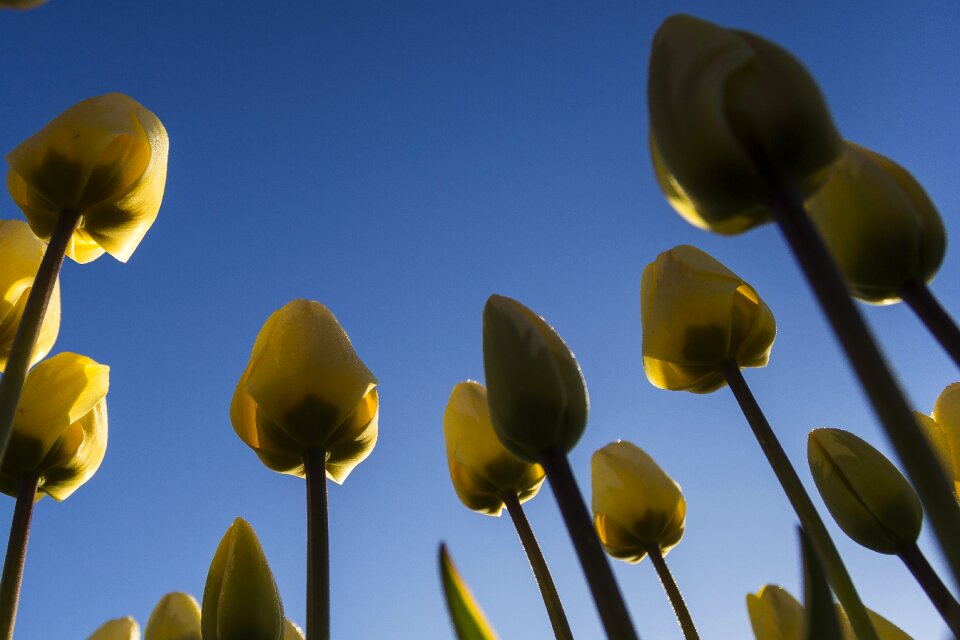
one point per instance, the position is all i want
(318, 572)
(16, 554)
(919, 297)
(932, 585)
(673, 593)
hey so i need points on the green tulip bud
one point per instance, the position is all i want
(291, 631)
(176, 617)
(117, 629)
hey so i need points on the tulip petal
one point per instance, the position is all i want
(118, 629)
(176, 617)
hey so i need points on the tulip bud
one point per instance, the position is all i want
(106, 158)
(879, 224)
(176, 617)
(697, 315)
(775, 614)
(868, 497)
(636, 505)
(942, 428)
(290, 631)
(305, 388)
(734, 118)
(118, 629)
(535, 389)
(240, 599)
(22, 252)
(60, 430)
(481, 468)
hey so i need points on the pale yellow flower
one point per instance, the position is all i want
(942, 428)
(118, 629)
(176, 617)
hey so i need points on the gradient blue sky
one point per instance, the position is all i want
(400, 162)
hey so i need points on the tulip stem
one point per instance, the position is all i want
(318, 572)
(932, 585)
(919, 297)
(800, 500)
(21, 351)
(548, 590)
(596, 568)
(673, 593)
(16, 553)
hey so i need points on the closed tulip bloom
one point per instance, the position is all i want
(696, 315)
(176, 617)
(481, 468)
(535, 389)
(306, 388)
(118, 629)
(636, 505)
(106, 158)
(22, 252)
(879, 224)
(60, 430)
(732, 117)
(240, 599)
(868, 497)
(942, 428)
(291, 631)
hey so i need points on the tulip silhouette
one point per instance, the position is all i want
(176, 617)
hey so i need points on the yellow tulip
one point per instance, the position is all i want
(733, 117)
(176, 617)
(106, 158)
(885, 629)
(60, 430)
(942, 428)
(240, 598)
(481, 468)
(868, 497)
(305, 388)
(20, 4)
(535, 389)
(118, 629)
(22, 252)
(291, 631)
(696, 315)
(636, 505)
(879, 224)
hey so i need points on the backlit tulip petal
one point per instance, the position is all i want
(943, 429)
(775, 614)
(885, 629)
(290, 631)
(105, 157)
(176, 617)
(119, 629)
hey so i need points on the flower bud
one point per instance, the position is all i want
(942, 428)
(636, 505)
(306, 388)
(240, 599)
(176, 617)
(733, 118)
(535, 389)
(22, 252)
(290, 631)
(481, 468)
(118, 629)
(775, 614)
(106, 158)
(697, 315)
(868, 497)
(879, 224)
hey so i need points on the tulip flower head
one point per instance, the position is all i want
(733, 117)
(868, 497)
(306, 388)
(481, 468)
(290, 631)
(105, 158)
(118, 629)
(176, 617)
(697, 315)
(60, 430)
(22, 252)
(942, 428)
(636, 506)
(535, 389)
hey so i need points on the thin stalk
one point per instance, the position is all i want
(548, 590)
(919, 298)
(673, 593)
(318, 546)
(914, 451)
(16, 554)
(11, 384)
(932, 585)
(800, 500)
(596, 568)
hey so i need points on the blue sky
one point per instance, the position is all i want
(400, 162)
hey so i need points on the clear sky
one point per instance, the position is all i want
(400, 162)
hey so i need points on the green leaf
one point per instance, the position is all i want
(822, 622)
(468, 619)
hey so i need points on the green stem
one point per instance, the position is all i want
(16, 554)
(914, 451)
(21, 351)
(548, 590)
(596, 568)
(810, 520)
(318, 572)
(933, 586)
(919, 297)
(673, 593)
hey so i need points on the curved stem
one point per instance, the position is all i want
(673, 593)
(932, 585)
(21, 351)
(919, 297)
(809, 518)
(16, 554)
(548, 590)
(318, 572)
(596, 568)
